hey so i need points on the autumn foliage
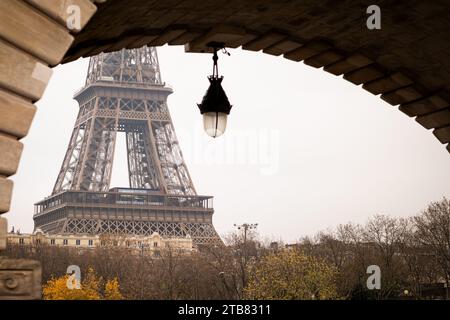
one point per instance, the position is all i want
(91, 289)
(291, 275)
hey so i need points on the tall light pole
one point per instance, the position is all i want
(246, 227)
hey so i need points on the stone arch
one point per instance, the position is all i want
(405, 62)
(397, 62)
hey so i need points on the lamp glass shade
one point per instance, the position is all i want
(214, 123)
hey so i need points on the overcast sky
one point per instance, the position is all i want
(304, 150)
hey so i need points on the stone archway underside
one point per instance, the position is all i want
(406, 62)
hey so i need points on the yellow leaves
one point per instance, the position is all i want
(290, 274)
(112, 290)
(56, 289)
(91, 285)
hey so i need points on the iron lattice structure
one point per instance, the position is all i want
(124, 93)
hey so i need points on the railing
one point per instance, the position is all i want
(144, 198)
(129, 84)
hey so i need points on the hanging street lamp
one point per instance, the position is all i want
(215, 106)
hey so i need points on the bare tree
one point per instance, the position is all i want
(433, 229)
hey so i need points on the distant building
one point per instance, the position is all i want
(274, 245)
(153, 243)
(291, 246)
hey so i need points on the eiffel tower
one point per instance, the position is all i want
(124, 93)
